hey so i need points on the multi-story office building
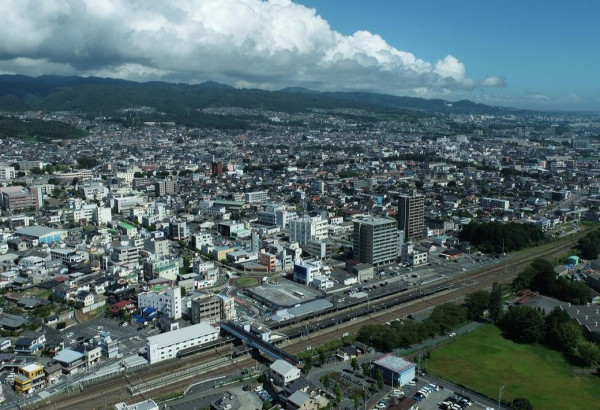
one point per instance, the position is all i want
(276, 215)
(304, 229)
(16, 198)
(124, 255)
(162, 268)
(375, 240)
(178, 230)
(166, 346)
(253, 197)
(7, 173)
(212, 308)
(165, 187)
(216, 168)
(411, 215)
(487, 202)
(158, 247)
(167, 301)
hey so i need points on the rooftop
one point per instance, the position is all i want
(394, 363)
(68, 356)
(37, 231)
(181, 335)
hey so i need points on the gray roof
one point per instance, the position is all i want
(183, 334)
(281, 367)
(394, 363)
(298, 398)
(37, 231)
(310, 307)
(68, 356)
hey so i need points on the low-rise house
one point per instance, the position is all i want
(283, 372)
(30, 343)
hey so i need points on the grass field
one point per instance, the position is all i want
(483, 360)
(246, 282)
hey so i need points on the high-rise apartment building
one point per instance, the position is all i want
(411, 215)
(165, 187)
(375, 240)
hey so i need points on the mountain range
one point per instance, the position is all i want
(95, 95)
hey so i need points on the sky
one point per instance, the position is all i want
(537, 54)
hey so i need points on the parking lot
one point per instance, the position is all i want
(436, 398)
(129, 337)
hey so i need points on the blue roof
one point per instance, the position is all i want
(140, 318)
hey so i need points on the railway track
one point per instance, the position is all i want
(107, 393)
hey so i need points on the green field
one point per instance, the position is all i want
(246, 282)
(483, 360)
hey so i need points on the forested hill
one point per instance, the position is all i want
(103, 96)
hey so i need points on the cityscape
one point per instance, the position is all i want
(182, 243)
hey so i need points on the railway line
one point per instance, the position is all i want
(116, 389)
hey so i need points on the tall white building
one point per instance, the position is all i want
(7, 172)
(168, 301)
(276, 215)
(304, 229)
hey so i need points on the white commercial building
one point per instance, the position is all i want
(168, 301)
(253, 197)
(166, 346)
(304, 229)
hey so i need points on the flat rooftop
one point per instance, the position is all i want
(182, 334)
(282, 295)
(394, 363)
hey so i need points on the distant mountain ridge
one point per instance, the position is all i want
(106, 95)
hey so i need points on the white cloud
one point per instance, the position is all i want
(493, 82)
(252, 43)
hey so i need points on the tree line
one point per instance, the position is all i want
(589, 245)
(541, 277)
(402, 334)
(44, 131)
(497, 237)
(526, 324)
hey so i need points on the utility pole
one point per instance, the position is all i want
(500, 396)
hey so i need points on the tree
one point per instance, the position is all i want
(477, 303)
(555, 338)
(86, 162)
(569, 335)
(366, 368)
(524, 324)
(589, 352)
(308, 362)
(521, 403)
(354, 364)
(323, 357)
(379, 376)
(337, 391)
(495, 304)
(356, 402)
(326, 382)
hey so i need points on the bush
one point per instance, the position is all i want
(61, 325)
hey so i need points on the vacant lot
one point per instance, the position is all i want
(483, 360)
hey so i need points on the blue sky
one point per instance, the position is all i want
(528, 53)
(548, 51)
